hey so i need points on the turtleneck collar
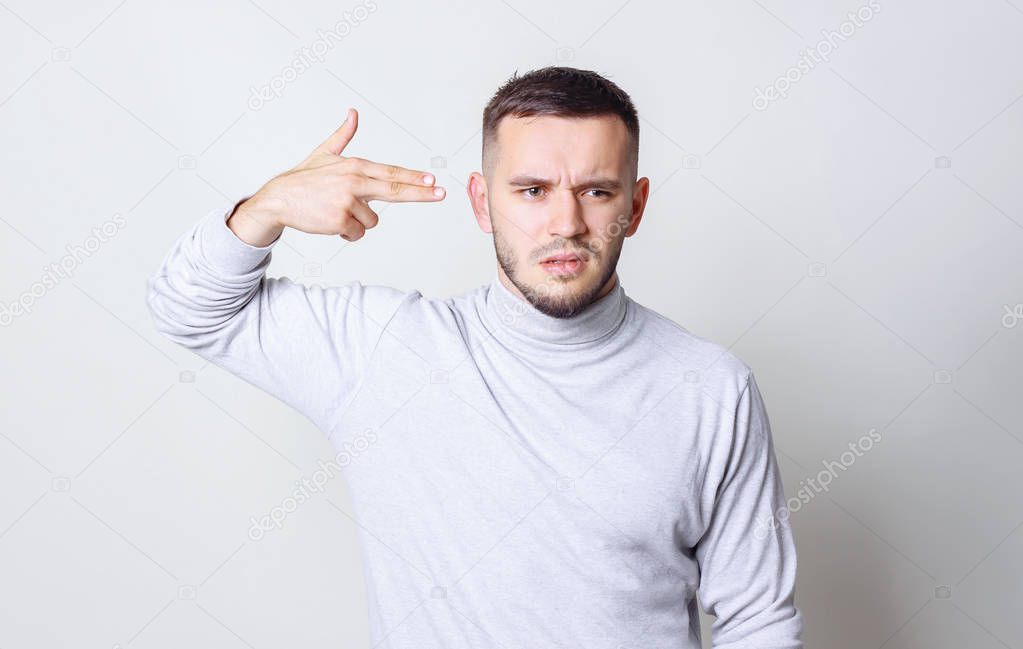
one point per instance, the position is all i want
(518, 323)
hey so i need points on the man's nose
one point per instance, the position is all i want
(567, 218)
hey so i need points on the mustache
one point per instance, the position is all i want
(584, 251)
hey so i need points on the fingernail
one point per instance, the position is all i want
(428, 179)
(438, 191)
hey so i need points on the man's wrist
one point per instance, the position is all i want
(253, 223)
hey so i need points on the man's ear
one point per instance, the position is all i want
(639, 198)
(477, 189)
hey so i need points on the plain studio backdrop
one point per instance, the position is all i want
(837, 199)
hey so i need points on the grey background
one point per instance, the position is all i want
(857, 243)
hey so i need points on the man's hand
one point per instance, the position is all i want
(327, 193)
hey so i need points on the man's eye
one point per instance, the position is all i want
(598, 193)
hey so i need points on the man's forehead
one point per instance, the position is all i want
(560, 125)
(594, 145)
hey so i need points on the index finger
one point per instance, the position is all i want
(393, 191)
(393, 173)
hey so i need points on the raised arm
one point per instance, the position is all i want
(306, 345)
(747, 555)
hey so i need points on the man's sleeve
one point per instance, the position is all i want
(747, 555)
(306, 345)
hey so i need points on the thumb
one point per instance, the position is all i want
(340, 138)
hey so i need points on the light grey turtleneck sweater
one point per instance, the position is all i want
(520, 481)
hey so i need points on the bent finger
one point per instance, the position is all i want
(364, 214)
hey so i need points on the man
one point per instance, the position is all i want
(542, 461)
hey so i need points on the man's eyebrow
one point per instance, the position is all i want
(599, 182)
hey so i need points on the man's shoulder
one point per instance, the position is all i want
(438, 306)
(711, 362)
(425, 315)
(375, 301)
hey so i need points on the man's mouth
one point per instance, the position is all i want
(566, 263)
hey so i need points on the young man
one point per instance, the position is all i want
(541, 461)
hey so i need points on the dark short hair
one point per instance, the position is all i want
(561, 91)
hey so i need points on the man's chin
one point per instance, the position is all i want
(562, 296)
(562, 285)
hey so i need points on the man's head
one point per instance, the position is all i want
(560, 160)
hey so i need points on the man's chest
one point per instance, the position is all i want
(471, 458)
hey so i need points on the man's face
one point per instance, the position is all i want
(559, 187)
